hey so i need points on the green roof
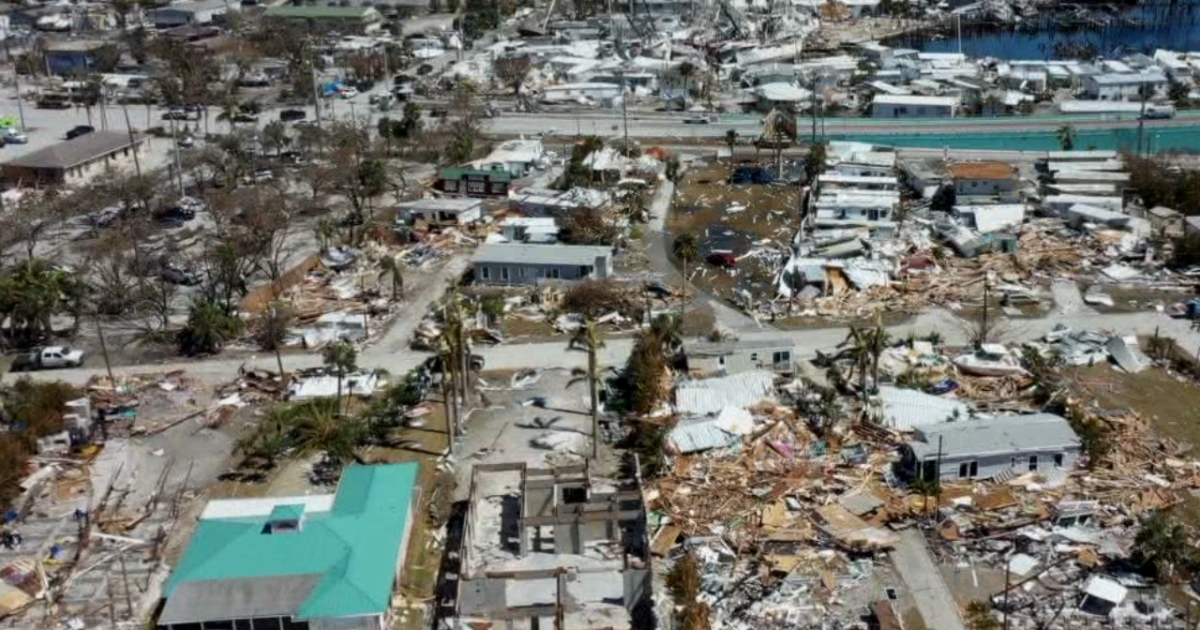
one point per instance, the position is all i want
(320, 12)
(287, 512)
(351, 551)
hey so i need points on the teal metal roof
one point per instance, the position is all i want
(287, 512)
(354, 548)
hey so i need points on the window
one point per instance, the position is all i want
(1059, 460)
(968, 470)
(585, 271)
(783, 356)
(504, 273)
(754, 357)
(1033, 463)
(555, 273)
(485, 273)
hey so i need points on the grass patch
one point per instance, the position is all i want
(1168, 401)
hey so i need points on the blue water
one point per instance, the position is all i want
(1171, 25)
(1177, 139)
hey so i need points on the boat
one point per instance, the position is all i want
(991, 359)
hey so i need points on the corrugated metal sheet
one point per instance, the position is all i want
(698, 435)
(709, 396)
(907, 409)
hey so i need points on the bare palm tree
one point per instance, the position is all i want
(342, 359)
(391, 266)
(588, 336)
(686, 248)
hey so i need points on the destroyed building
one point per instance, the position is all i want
(735, 356)
(557, 547)
(517, 263)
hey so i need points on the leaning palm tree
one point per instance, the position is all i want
(391, 266)
(588, 336)
(342, 359)
(857, 347)
(449, 397)
(686, 248)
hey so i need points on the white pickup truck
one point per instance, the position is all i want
(48, 358)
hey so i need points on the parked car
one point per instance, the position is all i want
(349, 92)
(245, 117)
(79, 130)
(178, 274)
(53, 102)
(48, 358)
(697, 120)
(433, 365)
(13, 136)
(175, 214)
(292, 115)
(721, 259)
(187, 142)
(175, 114)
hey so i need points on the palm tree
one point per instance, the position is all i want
(457, 340)
(320, 427)
(731, 138)
(342, 359)
(449, 397)
(877, 340)
(390, 265)
(229, 112)
(858, 349)
(686, 248)
(275, 137)
(270, 439)
(1066, 137)
(668, 327)
(589, 337)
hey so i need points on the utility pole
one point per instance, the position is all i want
(624, 110)
(104, 351)
(958, 21)
(316, 98)
(137, 163)
(175, 152)
(981, 338)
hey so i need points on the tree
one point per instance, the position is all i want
(731, 138)
(271, 330)
(687, 70)
(512, 71)
(1178, 93)
(684, 583)
(687, 249)
(320, 427)
(1066, 137)
(32, 293)
(208, 328)
(270, 439)
(341, 358)
(1161, 546)
(644, 373)
(391, 266)
(877, 341)
(668, 328)
(817, 157)
(459, 149)
(590, 338)
(275, 137)
(857, 345)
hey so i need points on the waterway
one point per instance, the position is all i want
(1143, 27)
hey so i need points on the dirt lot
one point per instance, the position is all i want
(1129, 299)
(749, 221)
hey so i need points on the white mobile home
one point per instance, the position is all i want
(899, 106)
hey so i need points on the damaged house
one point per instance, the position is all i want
(736, 356)
(1001, 447)
(517, 263)
(553, 548)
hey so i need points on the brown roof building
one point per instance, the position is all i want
(991, 179)
(72, 161)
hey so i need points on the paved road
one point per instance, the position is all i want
(657, 126)
(924, 581)
(396, 358)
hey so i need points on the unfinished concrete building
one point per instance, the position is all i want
(553, 548)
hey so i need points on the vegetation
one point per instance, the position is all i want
(32, 410)
(1162, 182)
(1067, 137)
(644, 374)
(979, 616)
(815, 164)
(1162, 547)
(687, 249)
(340, 358)
(588, 226)
(209, 328)
(683, 582)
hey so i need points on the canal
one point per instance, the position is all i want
(1143, 27)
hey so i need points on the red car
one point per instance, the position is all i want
(722, 259)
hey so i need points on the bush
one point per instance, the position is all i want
(636, 233)
(208, 329)
(588, 226)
